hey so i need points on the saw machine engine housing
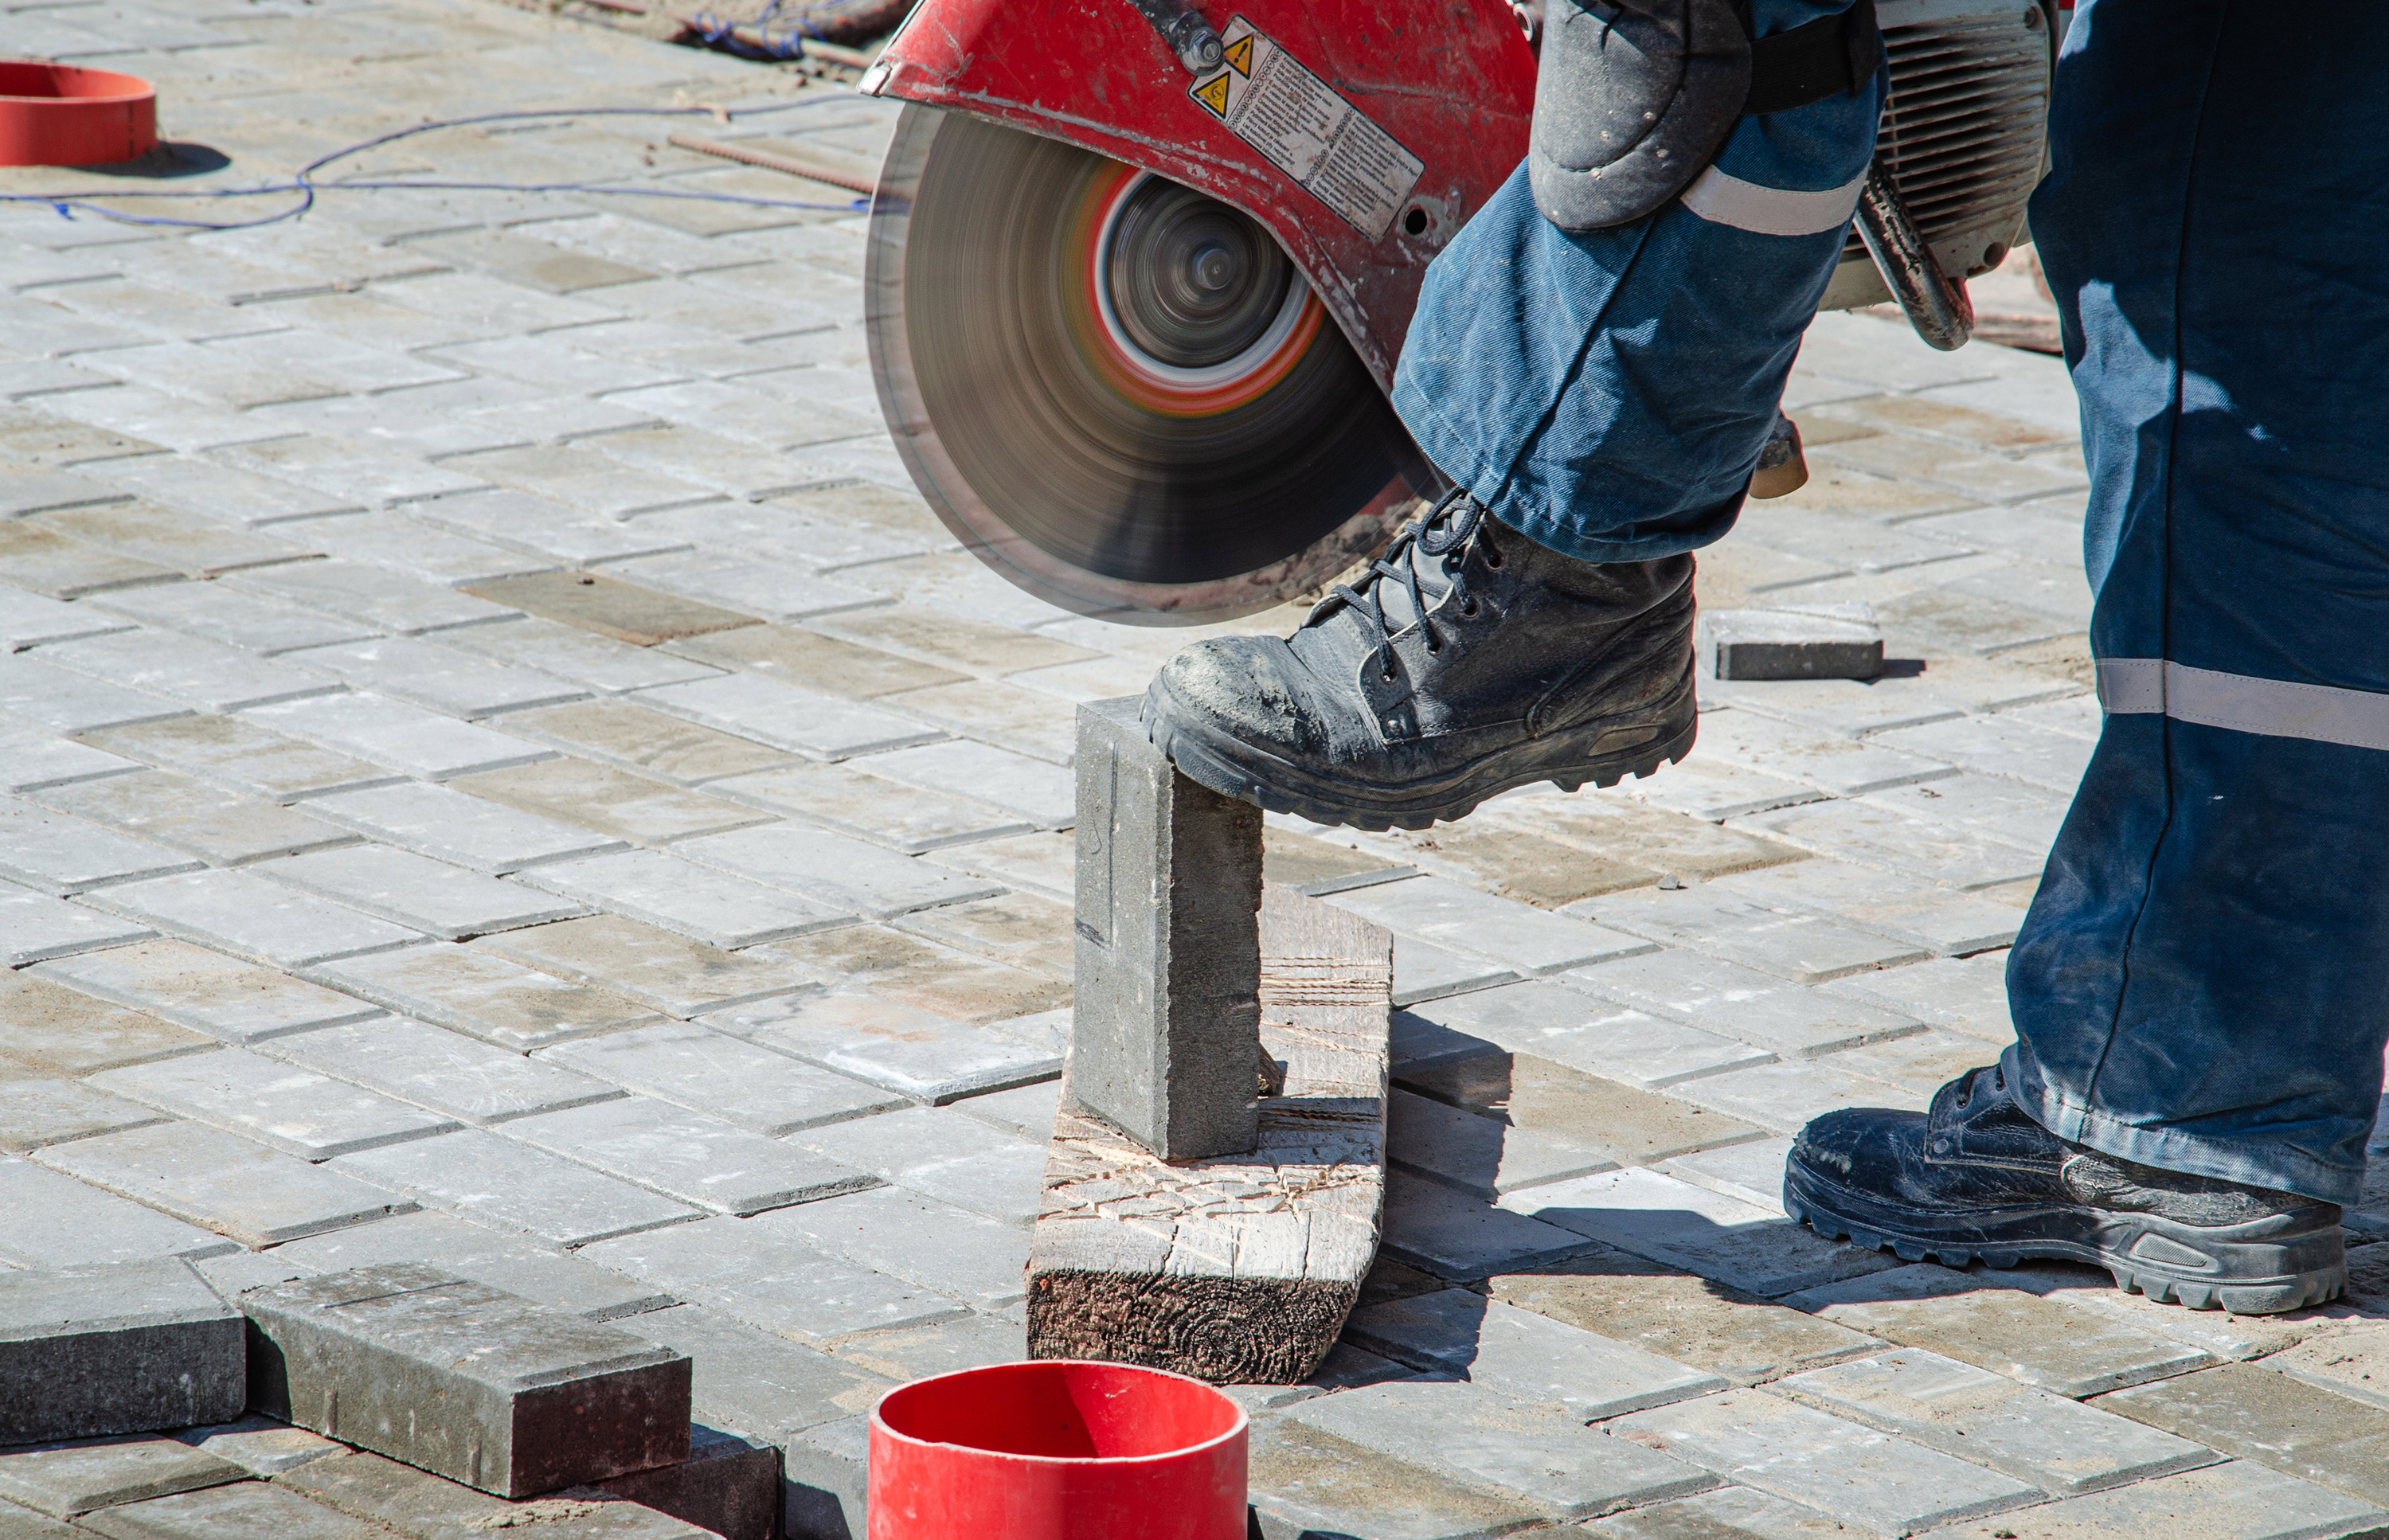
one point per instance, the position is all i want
(1133, 313)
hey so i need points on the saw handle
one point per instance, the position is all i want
(1937, 304)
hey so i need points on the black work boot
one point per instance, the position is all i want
(1470, 660)
(1975, 1176)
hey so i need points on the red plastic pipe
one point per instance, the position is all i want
(58, 115)
(1057, 1449)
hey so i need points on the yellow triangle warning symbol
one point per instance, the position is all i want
(1213, 94)
(1239, 55)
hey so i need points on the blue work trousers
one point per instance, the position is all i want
(2203, 981)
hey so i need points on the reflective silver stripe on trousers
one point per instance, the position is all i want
(1723, 199)
(2274, 707)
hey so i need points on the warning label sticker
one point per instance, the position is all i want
(1307, 130)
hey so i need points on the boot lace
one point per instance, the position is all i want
(1445, 528)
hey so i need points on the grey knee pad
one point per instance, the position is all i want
(1632, 100)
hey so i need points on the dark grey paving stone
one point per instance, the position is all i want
(129, 1347)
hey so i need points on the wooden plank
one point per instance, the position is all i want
(1240, 1268)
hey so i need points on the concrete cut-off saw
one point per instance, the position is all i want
(1139, 274)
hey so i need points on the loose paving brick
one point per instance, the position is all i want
(257, 1196)
(1656, 1215)
(1481, 1437)
(2236, 1500)
(405, 738)
(38, 1112)
(222, 828)
(520, 1265)
(56, 1030)
(758, 1271)
(749, 1379)
(1524, 1354)
(245, 756)
(433, 896)
(696, 1067)
(1731, 1000)
(610, 800)
(698, 902)
(61, 855)
(919, 1240)
(1679, 1316)
(122, 1348)
(468, 831)
(55, 1221)
(446, 1071)
(248, 915)
(71, 1479)
(701, 1159)
(1305, 1481)
(35, 926)
(470, 991)
(530, 1399)
(729, 1486)
(1564, 1026)
(669, 972)
(507, 1185)
(2059, 1445)
(290, 1109)
(1885, 1484)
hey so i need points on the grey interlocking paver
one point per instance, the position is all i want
(255, 1195)
(68, 1480)
(1622, 1123)
(355, 590)
(445, 1071)
(1946, 922)
(1802, 946)
(1905, 841)
(846, 872)
(979, 1261)
(1423, 971)
(1735, 1001)
(515, 1263)
(539, 526)
(260, 1446)
(239, 754)
(55, 1221)
(900, 1047)
(405, 738)
(709, 461)
(1526, 938)
(1830, 762)
(399, 543)
(696, 1067)
(38, 1112)
(621, 732)
(56, 1030)
(1969, 996)
(759, 1383)
(35, 760)
(1700, 1230)
(2237, 1500)
(1783, 1097)
(51, 563)
(2026, 817)
(943, 1154)
(1479, 1436)
(1307, 1481)
(1525, 1356)
(1479, 1154)
(357, 474)
(759, 1272)
(914, 1353)
(1567, 1026)
(1027, 1111)
(228, 615)
(507, 1185)
(120, 1348)
(27, 619)
(1751, 1173)
(586, 480)
(35, 926)
(220, 492)
(1919, 1064)
(60, 854)
(243, 913)
(611, 800)
(443, 679)
(224, 828)
(1729, 1510)
(1036, 791)
(205, 990)
(1885, 1483)
(699, 1159)
(148, 532)
(670, 973)
(454, 826)
(592, 662)
(69, 703)
(710, 906)
(2057, 1445)
(292, 1109)
(784, 717)
(490, 998)
(844, 799)
(451, 902)
(1462, 1235)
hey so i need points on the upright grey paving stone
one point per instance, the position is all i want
(68, 1478)
(695, 1067)
(1481, 1436)
(701, 1159)
(1166, 1034)
(1524, 1354)
(466, 1381)
(126, 1348)
(206, 991)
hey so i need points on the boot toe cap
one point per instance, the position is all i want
(1243, 687)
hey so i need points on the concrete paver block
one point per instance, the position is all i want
(507, 1185)
(465, 1381)
(468, 990)
(1823, 641)
(293, 1110)
(1167, 1012)
(382, 1497)
(229, 1513)
(1525, 1356)
(126, 1348)
(1701, 1231)
(760, 1383)
(55, 1221)
(446, 1071)
(913, 1052)
(60, 1031)
(702, 1160)
(1307, 1481)
(206, 991)
(37, 1112)
(64, 1480)
(669, 972)
(258, 1444)
(764, 1274)
(450, 902)
(694, 1066)
(2237, 1500)
(257, 1196)
(35, 926)
(249, 916)
(729, 1486)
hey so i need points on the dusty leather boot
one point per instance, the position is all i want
(1470, 660)
(1974, 1175)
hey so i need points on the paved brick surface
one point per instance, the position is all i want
(478, 666)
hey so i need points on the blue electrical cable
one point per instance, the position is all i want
(305, 186)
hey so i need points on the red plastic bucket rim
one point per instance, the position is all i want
(1234, 1429)
(134, 88)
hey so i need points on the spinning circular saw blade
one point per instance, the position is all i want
(1118, 392)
